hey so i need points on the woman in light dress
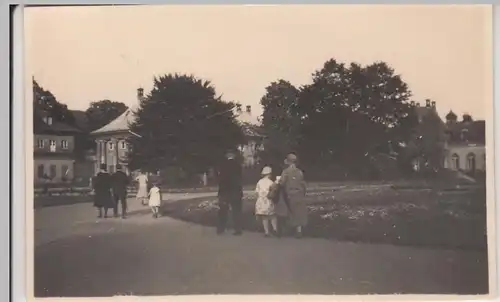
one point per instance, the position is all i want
(142, 192)
(264, 207)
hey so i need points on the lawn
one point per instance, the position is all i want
(425, 218)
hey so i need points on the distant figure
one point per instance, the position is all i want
(230, 193)
(294, 190)
(102, 187)
(204, 179)
(264, 207)
(120, 184)
(155, 199)
(142, 191)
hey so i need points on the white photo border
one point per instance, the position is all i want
(13, 114)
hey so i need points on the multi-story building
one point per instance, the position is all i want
(111, 139)
(466, 148)
(463, 141)
(54, 144)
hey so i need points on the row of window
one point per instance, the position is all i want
(470, 161)
(52, 171)
(121, 144)
(52, 144)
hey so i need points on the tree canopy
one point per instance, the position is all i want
(44, 100)
(102, 112)
(183, 123)
(279, 120)
(347, 114)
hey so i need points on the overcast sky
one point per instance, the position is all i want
(84, 54)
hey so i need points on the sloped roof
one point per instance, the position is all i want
(247, 117)
(119, 124)
(475, 132)
(81, 119)
(57, 127)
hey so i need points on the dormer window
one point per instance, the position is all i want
(463, 134)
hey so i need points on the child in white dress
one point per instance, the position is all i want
(264, 207)
(155, 199)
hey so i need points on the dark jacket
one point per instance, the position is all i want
(120, 182)
(102, 184)
(230, 180)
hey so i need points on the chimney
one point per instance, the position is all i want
(427, 103)
(433, 104)
(249, 108)
(140, 93)
(238, 108)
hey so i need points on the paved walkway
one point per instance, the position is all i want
(75, 255)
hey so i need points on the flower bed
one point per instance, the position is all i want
(376, 215)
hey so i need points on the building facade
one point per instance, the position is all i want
(466, 144)
(111, 140)
(54, 146)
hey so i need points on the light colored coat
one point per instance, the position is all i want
(142, 191)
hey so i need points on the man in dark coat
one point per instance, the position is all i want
(230, 193)
(120, 184)
(102, 188)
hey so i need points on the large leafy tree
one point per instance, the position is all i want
(280, 120)
(348, 114)
(102, 112)
(44, 100)
(182, 123)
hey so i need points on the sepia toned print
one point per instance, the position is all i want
(312, 150)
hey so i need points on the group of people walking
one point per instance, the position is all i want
(280, 201)
(111, 190)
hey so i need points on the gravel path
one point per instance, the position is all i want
(78, 256)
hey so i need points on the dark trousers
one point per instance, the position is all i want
(236, 211)
(120, 197)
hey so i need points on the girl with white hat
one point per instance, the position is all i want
(264, 207)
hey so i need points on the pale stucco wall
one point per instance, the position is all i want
(53, 167)
(463, 151)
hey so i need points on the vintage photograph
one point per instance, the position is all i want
(259, 150)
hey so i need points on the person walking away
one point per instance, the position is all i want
(294, 190)
(155, 199)
(264, 206)
(102, 189)
(120, 184)
(281, 208)
(142, 190)
(230, 193)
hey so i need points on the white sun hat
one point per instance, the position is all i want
(266, 171)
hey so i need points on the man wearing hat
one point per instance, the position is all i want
(294, 189)
(120, 184)
(102, 189)
(230, 192)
